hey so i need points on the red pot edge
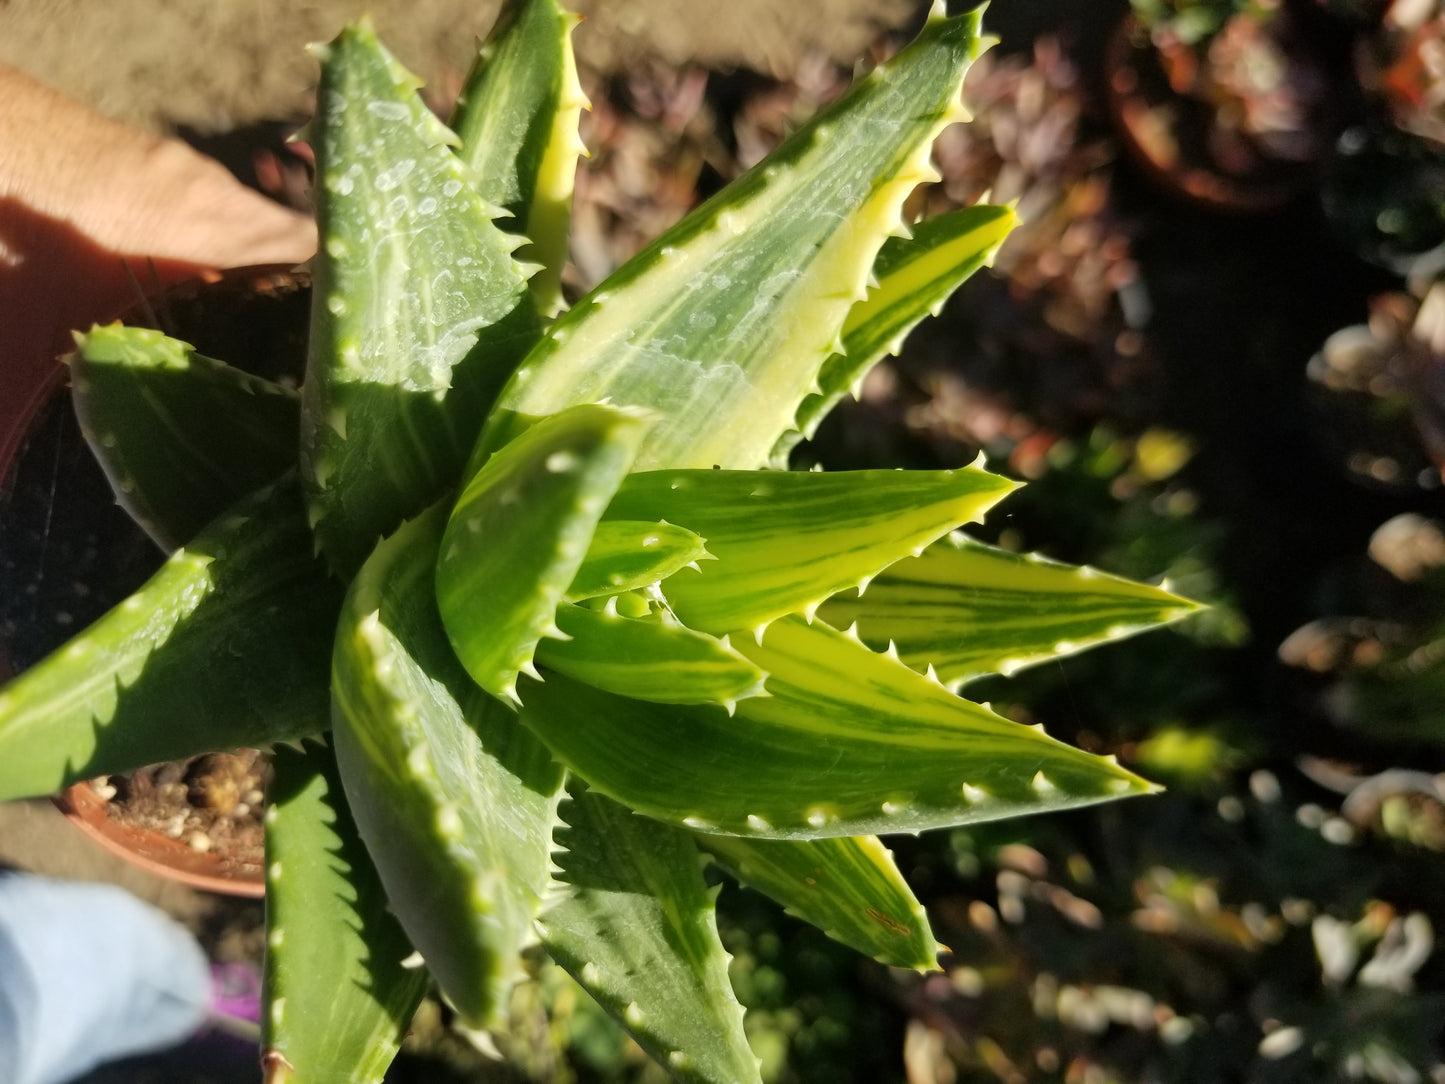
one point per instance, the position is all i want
(151, 851)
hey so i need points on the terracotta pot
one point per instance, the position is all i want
(67, 553)
(157, 853)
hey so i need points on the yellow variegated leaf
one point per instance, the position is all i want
(519, 533)
(517, 120)
(785, 541)
(848, 742)
(849, 887)
(653, 657)
(627, 555)
(721, 325)
(968, 609)
(915, 276)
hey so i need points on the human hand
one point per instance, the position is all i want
(94, 215)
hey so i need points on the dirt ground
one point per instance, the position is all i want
(226, 64)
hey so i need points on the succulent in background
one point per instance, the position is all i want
(533, 574)
(1222, 99)
(1378, 391)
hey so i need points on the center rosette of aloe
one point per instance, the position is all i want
(542, 576)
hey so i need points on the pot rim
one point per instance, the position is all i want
(154, 851)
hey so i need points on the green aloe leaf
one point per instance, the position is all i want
(181, 436)
(517, 120)
(721, 325)
(629, 556)
(914, 277)
(652, 658)
(338, 996)
(633, 922)
(969, 609)
(786, 540)
(848, 743)
(419, 311)
(454, 799)
(519, 533)
(225, 646)
(850, 888)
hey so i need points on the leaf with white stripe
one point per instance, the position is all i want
(454, 799)
(787, 540)
(850, 888)
(632, 920)
(419, 312)
(847, 743)
(970, 609)
(627, 556)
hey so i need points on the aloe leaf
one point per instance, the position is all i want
(633, 922)
(720, 326)
(850, 888)
(225, 646)
(848, 743)
(628, 556)
(517, 120)
(786, 540)
(454, 799)
(652, 658)
(519, 533)
(338, 997)
(181, 436)
(914, 277)
(419, 312)
(969, 609)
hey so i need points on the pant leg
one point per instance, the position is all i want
(88, 974)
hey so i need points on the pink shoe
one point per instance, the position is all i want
(235, 998)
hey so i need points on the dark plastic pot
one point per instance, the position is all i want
(68, 553)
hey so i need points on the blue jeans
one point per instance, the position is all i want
(88, 974)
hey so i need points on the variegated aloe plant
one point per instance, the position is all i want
(570, 628)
